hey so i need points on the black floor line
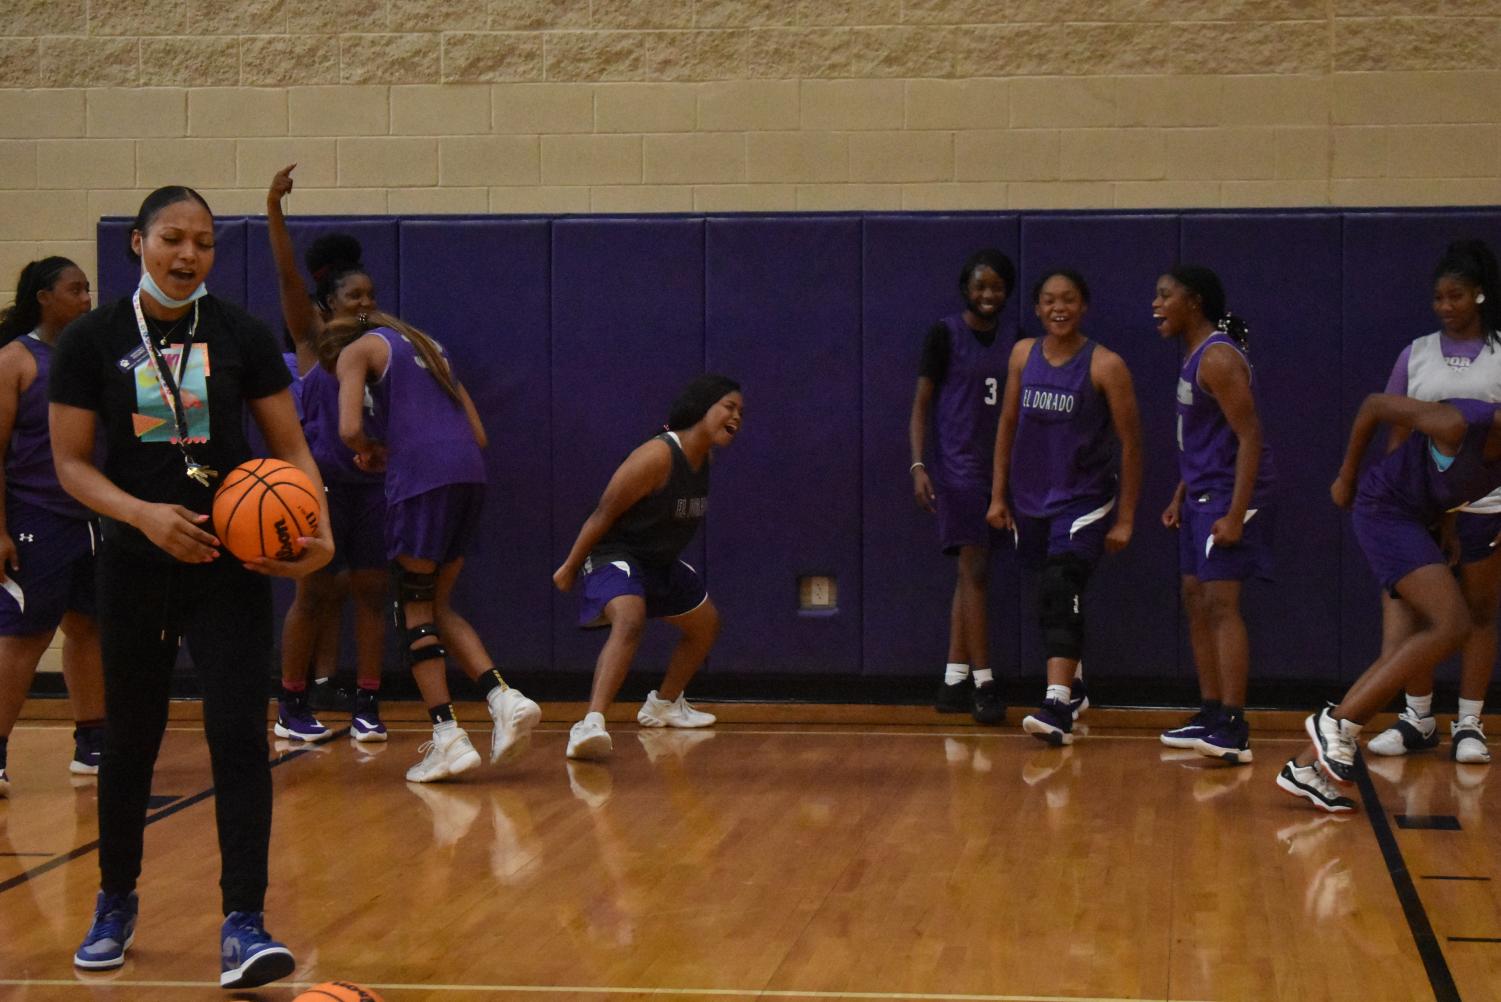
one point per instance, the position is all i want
(1474, 939)
(151, 819)
(1440, 979)
(1444, 876)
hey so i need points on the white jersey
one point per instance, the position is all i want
(1431, 376)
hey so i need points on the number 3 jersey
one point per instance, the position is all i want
(968, 406)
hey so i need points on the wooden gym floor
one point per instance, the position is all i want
(789, 853)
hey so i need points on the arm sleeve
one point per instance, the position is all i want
(935, 354)
(266, 371)
(1397, 382)
(75, 379)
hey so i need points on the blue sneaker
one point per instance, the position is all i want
(1200, 725)
(113, 931)
(1053, 722)
(1229, 742)
(295, 720)
(366, 724)
(248, 956)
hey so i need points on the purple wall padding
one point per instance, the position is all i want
(575, 334)
(1293, 339)
(1387, 295)
(911, 270)
(378, 241)
(627, 336)
(481, 288)
(118, 275)
(1132, 606)
(782, 317)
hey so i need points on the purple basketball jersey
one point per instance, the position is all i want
(29, 473)
(320, 424)
(1207, 445)
(428, 438)
(1410, 482)
(1065, 448)
(968, 406)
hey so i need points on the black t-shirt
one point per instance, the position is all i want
(935, 350)
(101, 366)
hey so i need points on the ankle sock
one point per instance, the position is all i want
(1059, 693)
(954, 673)
(1471, 708)
(1421, 705)
(983, 675)
(440, 714)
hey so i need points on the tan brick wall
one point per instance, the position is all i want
(739, 105)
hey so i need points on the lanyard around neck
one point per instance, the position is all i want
(172, 383)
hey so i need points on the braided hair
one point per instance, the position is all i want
(1205, 284)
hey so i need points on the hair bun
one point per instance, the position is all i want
(333, 251)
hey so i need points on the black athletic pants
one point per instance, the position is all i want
(223, 612)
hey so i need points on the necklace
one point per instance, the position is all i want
(164, 337)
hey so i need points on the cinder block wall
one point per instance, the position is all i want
(409, 106)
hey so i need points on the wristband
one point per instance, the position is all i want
(916, 465)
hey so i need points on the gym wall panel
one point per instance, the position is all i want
(495, 324)
(782, 317)
(911, 269)
(627, 336)
(1295, 332)
(378, 242)
(1386, 296)
(1131, 608)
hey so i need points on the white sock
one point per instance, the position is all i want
(1471, 708)
(983, 675)
(1079, 671)
(1059, 692)
(595, 718)
(954, 673)
(1421, 705)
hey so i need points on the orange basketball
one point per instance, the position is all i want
(338, 991)
(262, 507)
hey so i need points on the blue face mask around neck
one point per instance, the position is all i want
(1440, 460)
(148, 285)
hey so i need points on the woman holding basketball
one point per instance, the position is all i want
(167, 374)
(1460, 359)
(356, 497)
(628, 552)
(1222, 507)
(47, 539)
(435, 489)
(1067, 476)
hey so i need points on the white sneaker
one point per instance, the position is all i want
(445, 755)
(677, 713)
(588, 740)
(1468, 735)
(1411, 733)
(514, 716)
(1335, 742)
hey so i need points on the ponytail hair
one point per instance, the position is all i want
(332, 258)
(1474, 262)
(696, 399)
(1205, 284)
(22, 316)
(340, 332)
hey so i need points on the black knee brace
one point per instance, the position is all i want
(1061, 604)
(409, 586)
